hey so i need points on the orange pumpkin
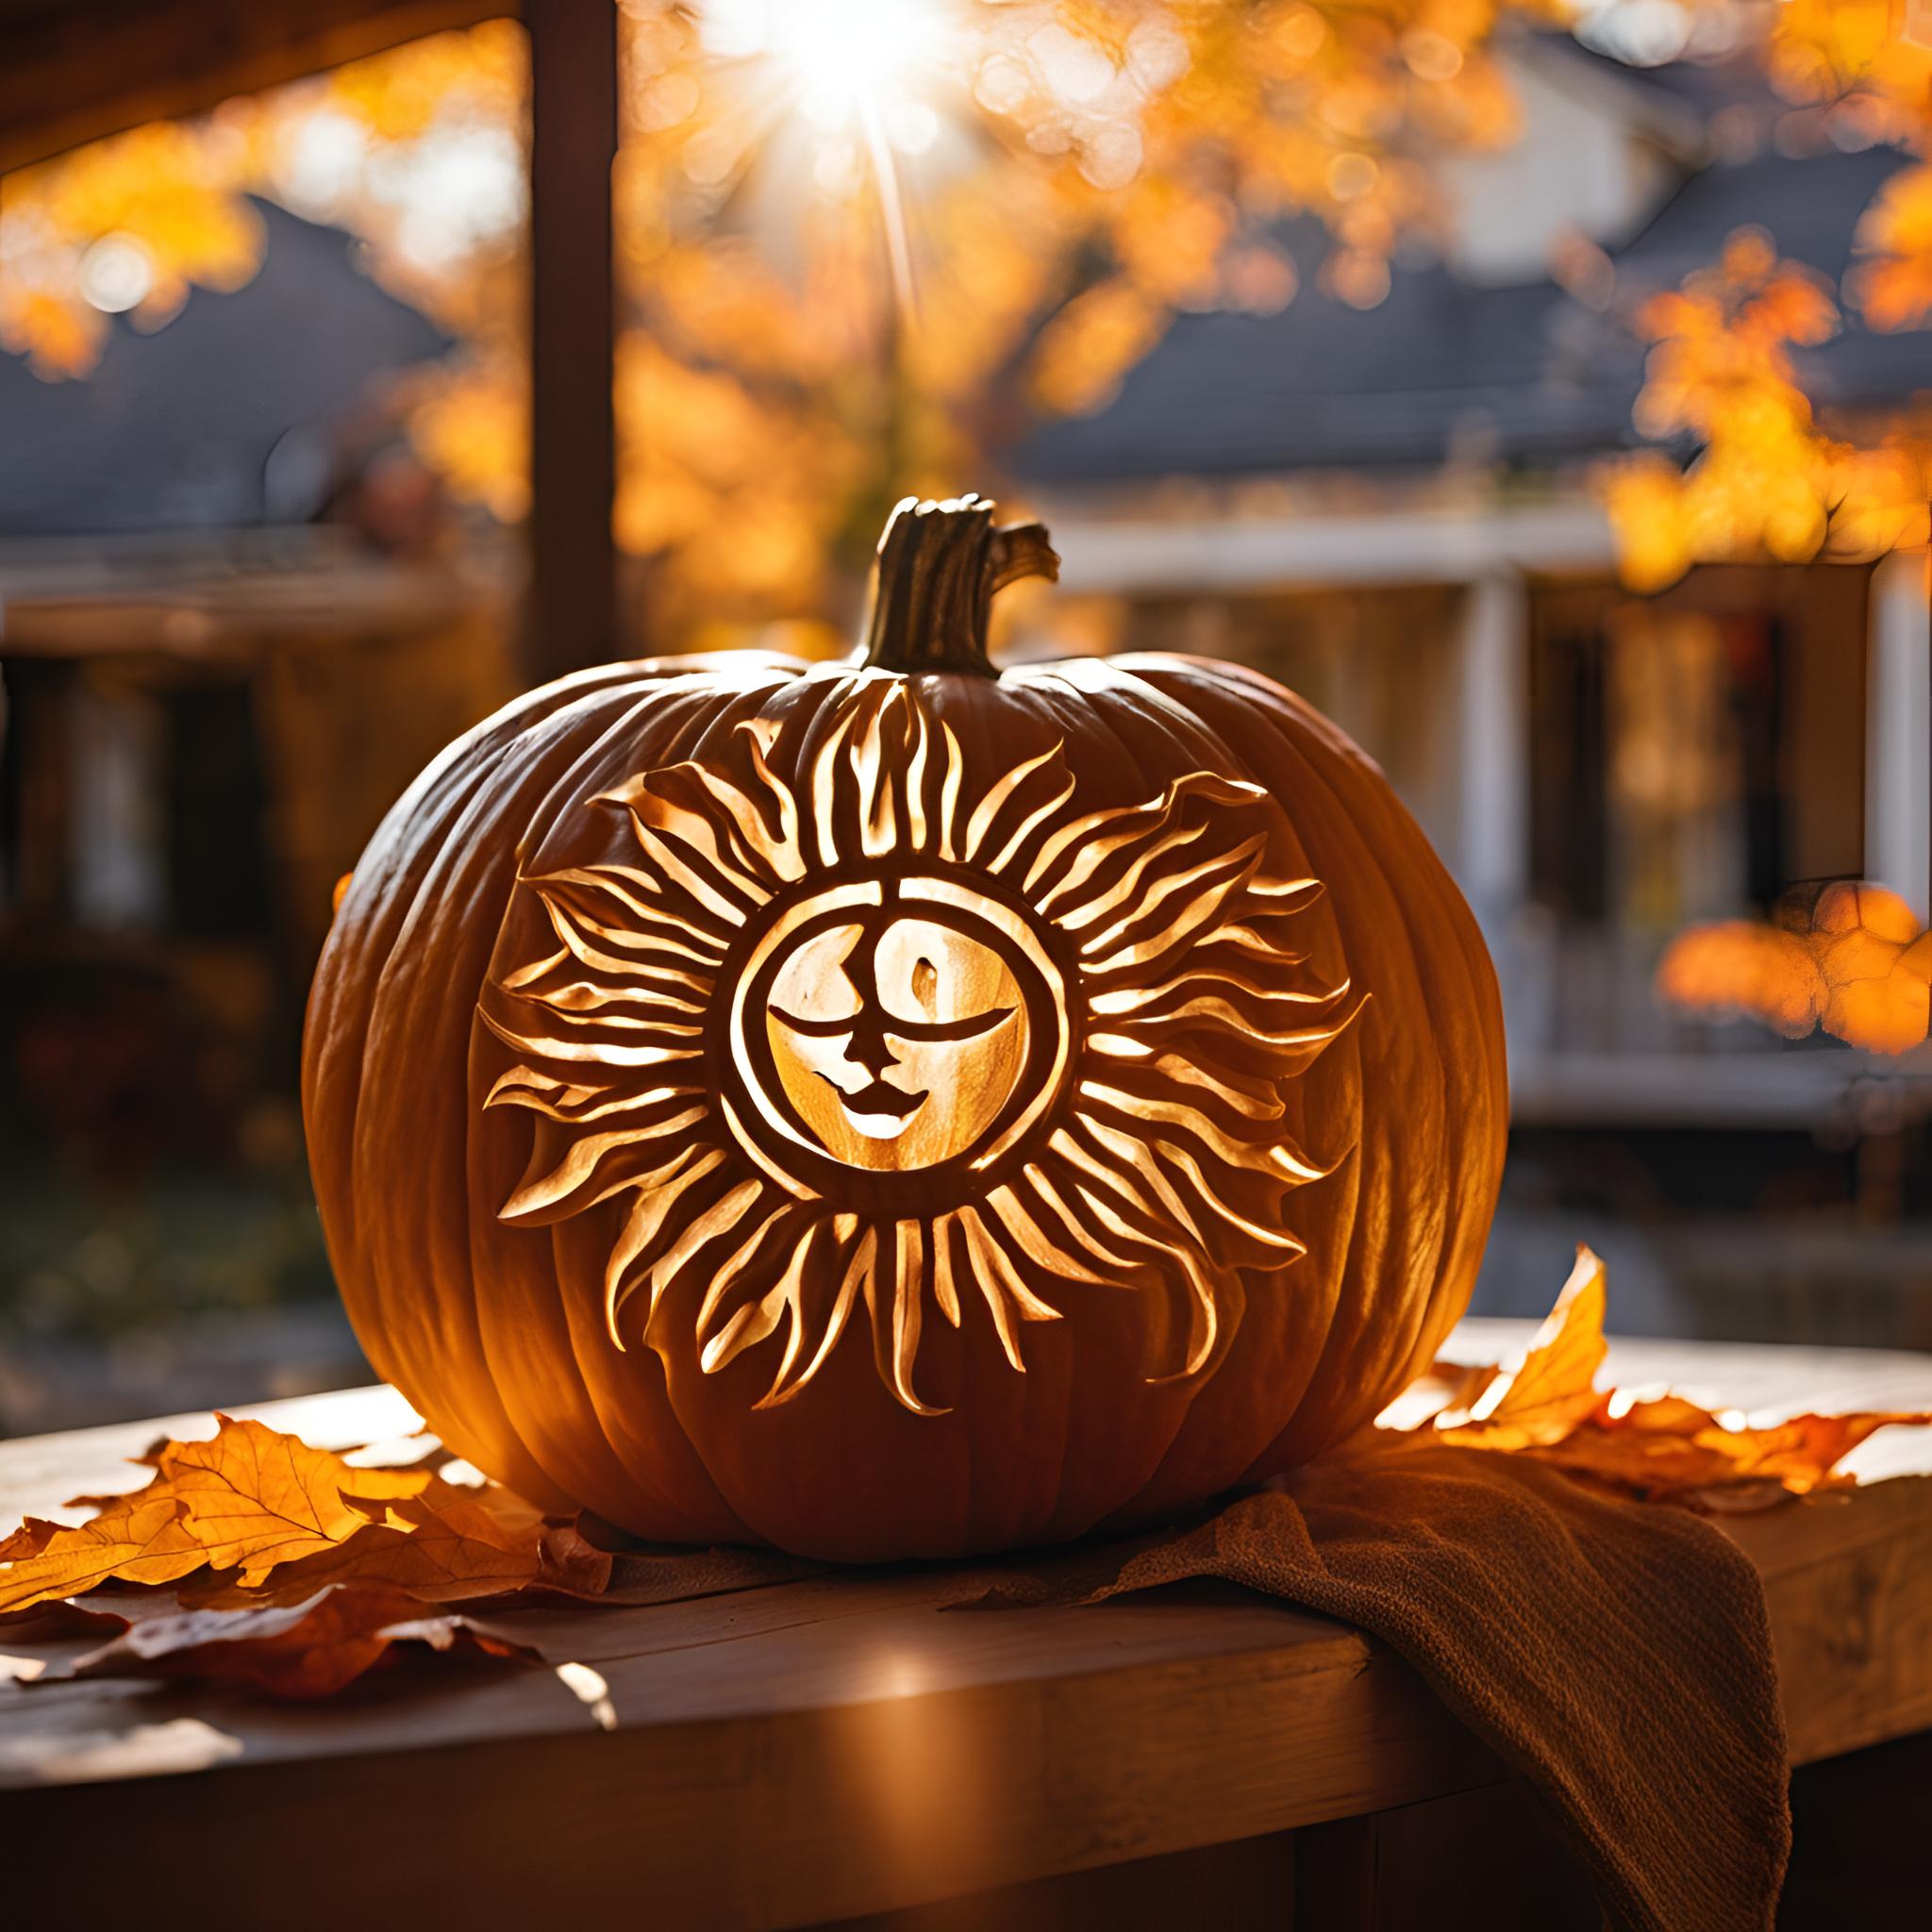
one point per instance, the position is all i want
(901, 1107)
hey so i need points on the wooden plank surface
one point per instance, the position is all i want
(843, 1744)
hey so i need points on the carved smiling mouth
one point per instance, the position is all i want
(877, 1109)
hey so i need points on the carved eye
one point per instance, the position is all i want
(817, 983)
(925, 984)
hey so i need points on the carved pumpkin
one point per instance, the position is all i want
(903, 1109)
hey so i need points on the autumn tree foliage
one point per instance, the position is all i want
(1850, 958)
(857, 235)
(1770, 479)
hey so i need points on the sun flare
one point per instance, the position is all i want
(847, 52)
(838, 1026)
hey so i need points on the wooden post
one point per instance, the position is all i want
(570, 616)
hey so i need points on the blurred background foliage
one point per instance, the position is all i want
(853, 237)
(871, 246)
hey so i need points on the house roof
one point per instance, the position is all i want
(1524, 375)
(174, 430)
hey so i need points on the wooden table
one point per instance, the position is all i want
(835, 1746)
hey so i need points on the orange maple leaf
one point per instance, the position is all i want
(142, 1541)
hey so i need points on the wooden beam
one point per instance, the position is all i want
(73, 73)
(572, 602)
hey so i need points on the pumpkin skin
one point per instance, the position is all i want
(894, 1111)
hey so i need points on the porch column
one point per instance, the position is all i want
(1898, 732)
(1491, 856)
(572, 607)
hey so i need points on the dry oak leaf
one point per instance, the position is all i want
(311, 1648)
(246, 1500)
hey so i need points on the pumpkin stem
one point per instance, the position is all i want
(939, 565)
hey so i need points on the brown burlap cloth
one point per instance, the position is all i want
(1616, 1653)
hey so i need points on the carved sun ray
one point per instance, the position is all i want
(880, 1038)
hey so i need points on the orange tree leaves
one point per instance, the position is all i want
(1768, 480)
(1848, 956)
(1665, 1448)
(1893, 282)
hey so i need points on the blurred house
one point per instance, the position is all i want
(1391, 509)
(220, 566)
(235, 620)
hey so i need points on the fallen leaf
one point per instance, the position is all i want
(1743, 1497)
(303, 1650)
(571, 1563)
(35, 1641)
(142, 1541)
(443, 1546)
(1674, 1450)
(1665, 1448)
(255, 1497)
(254, 1519)
(663, 1577)
(1555, 1389)
(246, 1500)
(49, 1623)
(29, 1540)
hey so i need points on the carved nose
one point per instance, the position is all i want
(867, 1047)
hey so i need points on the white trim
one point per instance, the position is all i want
(1898, 731)
(1149, 555)
(1492, 745)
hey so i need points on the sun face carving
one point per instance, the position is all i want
(889, 1033)
(888, 1024)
